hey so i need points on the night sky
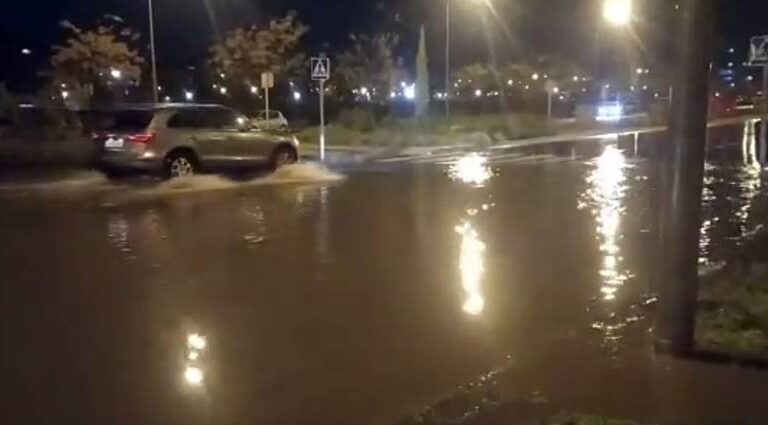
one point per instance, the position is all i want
(185, 27)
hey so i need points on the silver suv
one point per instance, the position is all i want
(181, 140)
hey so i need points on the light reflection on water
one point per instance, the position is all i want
(749, 177)
(472, 267)
(117, 232)
(731, 196)
(607, 187)
(472, 169)
(196, 346)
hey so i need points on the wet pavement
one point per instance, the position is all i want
(362, 295)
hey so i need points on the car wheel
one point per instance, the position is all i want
(284, 127)
(180, 164)
(284, 155)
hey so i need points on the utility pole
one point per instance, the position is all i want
(684, 172)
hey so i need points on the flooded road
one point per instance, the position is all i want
(308, 298)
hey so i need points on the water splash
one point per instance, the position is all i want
(95, 183)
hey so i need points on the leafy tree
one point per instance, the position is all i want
(369, 63)
(559, 69)
(245, 53)
(517, 72)
(475, 76)
(90, 57)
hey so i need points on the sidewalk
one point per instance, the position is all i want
(356, 154)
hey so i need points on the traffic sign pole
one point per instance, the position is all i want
(266, 108)
(758, 56)
(267, 82)
(322, 120)
(320, 68)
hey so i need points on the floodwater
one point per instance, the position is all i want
(315, 298)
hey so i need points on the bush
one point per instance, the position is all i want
(335, 135)
(503, 126)
(357, 119)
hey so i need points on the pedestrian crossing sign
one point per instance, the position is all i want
(321, 68)
(758, 50)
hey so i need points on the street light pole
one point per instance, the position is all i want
(155, 95)
(447, 58)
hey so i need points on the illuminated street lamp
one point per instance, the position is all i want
(617, 12)
(552, 89)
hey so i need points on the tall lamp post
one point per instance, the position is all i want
(448, 90)
(448, 56)
(618, 14)
(155, 95)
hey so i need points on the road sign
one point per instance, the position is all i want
(758, 50)
(758, 56)
(321, 69)
(267, 80)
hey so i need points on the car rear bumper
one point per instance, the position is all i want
(130, 163)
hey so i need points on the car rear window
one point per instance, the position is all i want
(126, 120)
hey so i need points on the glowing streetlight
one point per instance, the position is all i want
(189, 96)
(194, 376)
(410, 92)
(116, 73)
(617, 12)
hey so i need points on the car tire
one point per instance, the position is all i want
(283, 127)
(179, 164)
(283, 155)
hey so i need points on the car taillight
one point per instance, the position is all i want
(144, 138)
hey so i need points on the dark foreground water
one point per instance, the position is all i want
(304, 299)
